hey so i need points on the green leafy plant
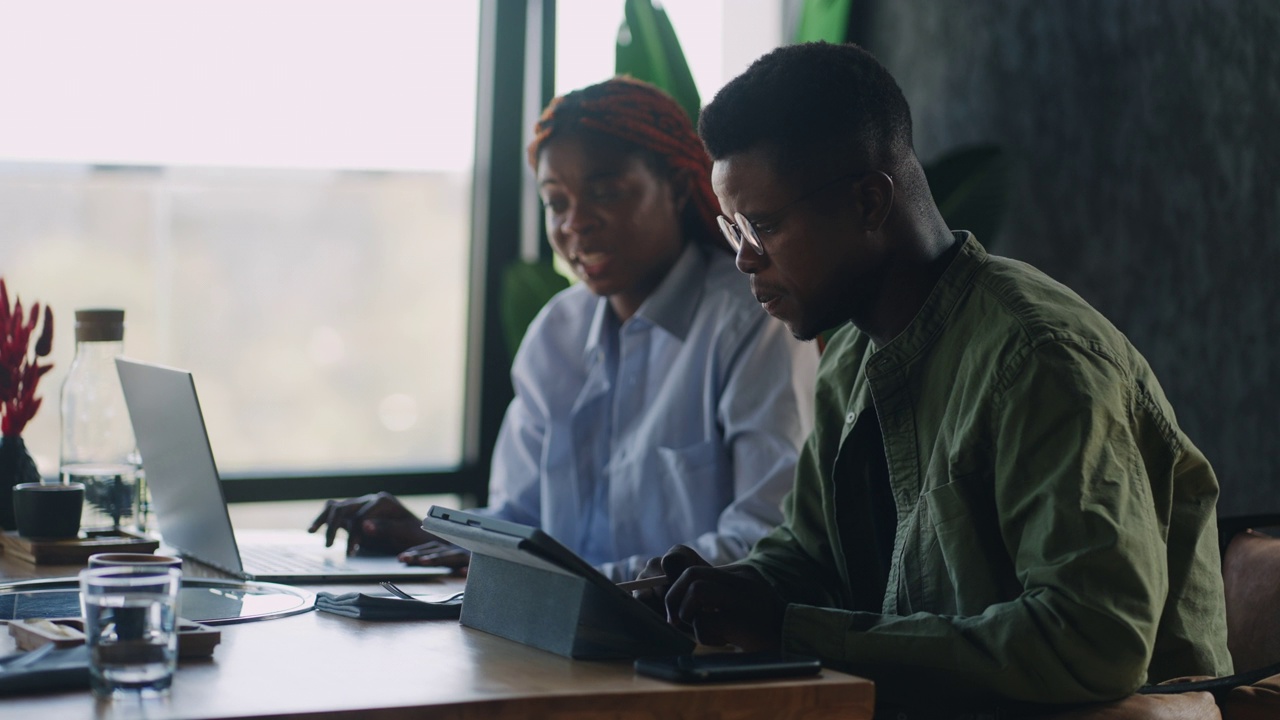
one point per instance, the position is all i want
(970, 188)
(526, 287)
(826, 20)
(649, 50)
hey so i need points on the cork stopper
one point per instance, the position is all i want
(99, 325)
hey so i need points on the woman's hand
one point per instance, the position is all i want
(376, 524)
(438, 553)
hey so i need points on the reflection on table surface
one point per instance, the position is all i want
(204, 600)
(319, 665)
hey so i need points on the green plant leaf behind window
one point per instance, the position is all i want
(969, 186)
(649, 50)
(824, 20)
(526, 287)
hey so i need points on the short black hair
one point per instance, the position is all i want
(808, 103)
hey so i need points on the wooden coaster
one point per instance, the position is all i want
(194, 640)
(74, 551)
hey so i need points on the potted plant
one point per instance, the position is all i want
(20, 373)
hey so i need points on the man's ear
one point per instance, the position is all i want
(875, 194)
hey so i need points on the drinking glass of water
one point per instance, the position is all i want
(130, 626)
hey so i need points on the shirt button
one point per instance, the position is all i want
(848, 419)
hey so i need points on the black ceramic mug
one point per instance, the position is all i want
(48, 510)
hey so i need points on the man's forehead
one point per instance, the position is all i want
(743, 175)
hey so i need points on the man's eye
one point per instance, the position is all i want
(555, 206)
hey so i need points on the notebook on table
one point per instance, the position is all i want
(189, 505)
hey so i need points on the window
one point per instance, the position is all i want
(719, 38)
(277, 193)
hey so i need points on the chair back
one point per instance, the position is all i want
(1251, 579)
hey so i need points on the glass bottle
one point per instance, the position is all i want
(98, 447)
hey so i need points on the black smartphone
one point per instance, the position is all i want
(719, 667)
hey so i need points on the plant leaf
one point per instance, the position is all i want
(526, 287)
(649, 50)
(44, 345)
(824, 20)
(970, 188)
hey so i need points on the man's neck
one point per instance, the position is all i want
(906, 285)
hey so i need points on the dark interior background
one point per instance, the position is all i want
(1144, 138)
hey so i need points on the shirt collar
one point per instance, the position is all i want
(937, 307)
(671, 306)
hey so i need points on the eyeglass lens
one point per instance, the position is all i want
(741, 232)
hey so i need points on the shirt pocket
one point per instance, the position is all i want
(690, 488)
(970, 566)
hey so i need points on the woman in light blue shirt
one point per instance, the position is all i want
(655, 403)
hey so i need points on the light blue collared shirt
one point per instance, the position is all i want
(680, 425)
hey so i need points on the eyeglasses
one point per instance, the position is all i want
(741, 232)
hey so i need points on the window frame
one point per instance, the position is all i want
(516, 68)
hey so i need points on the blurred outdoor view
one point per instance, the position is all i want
(322, 313)
(278, 194)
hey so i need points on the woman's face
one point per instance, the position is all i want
(614, 220)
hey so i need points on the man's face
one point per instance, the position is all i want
(819, 268)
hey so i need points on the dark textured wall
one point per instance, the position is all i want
(1145, 138)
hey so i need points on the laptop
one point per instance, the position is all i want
(189, 505)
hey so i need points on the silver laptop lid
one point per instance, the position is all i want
(186, 492)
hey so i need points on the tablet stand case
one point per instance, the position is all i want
(516, 593)
(563, 614)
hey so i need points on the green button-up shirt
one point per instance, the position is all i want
(1056, 535)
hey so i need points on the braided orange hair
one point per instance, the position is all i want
(643, 115)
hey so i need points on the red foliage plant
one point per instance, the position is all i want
(20, 368)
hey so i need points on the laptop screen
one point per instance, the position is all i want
(186, 492)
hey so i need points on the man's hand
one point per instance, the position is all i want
(676, 561)
(438, 553)
(376, 524)
(731, 605)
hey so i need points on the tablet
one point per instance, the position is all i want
(725, 667)
(523, 544)
(526, 586)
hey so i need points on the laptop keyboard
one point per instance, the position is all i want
(269, 560)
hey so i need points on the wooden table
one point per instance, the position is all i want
(318, 665)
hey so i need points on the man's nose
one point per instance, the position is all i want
(749, 261)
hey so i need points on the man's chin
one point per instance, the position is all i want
(801, 332)
(802, 328)
(807, 330)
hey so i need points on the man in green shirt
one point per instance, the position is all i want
(996, 505)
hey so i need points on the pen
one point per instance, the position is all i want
(645, 583)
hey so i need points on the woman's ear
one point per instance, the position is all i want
(681, 182)
(875, 194)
